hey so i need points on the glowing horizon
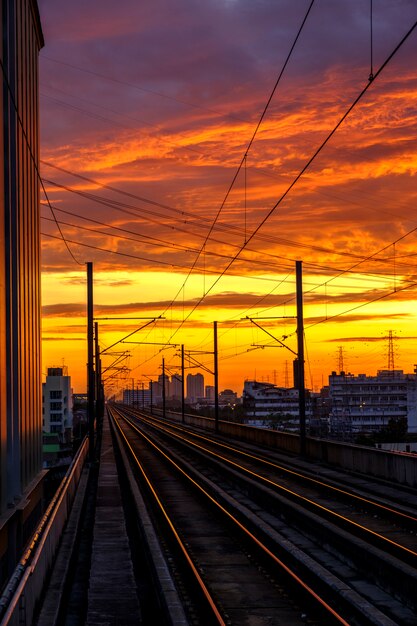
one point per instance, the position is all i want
(145, 119)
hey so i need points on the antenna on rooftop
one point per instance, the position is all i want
(391, 362)
(341, 362)
(286, 378)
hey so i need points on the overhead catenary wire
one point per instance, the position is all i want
(32, 157)
(251, 140)
(304, 169)
(156, 242)
(99, 117)
(191, 218)
(188, 103)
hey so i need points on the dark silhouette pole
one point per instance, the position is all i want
(216, 382)
(99, 384)
(182, 385)
(300, 357)
(163, 388)
(90, 365)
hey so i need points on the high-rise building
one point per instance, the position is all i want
(175, 387)
(158, 387)
(57, 403)
(195, 387)
(20, 366)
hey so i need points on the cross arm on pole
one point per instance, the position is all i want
(275, 338)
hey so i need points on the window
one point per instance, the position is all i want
(56, 406)
(55, 394)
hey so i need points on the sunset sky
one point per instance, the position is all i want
(147, 112)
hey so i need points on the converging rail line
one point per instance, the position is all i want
(399, 516)
(181, 526)
(339, 554)
(223, 570)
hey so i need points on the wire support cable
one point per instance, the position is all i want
(189, 219)
(33, 159)
(243, 160)
(302, 171)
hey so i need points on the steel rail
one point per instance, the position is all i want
(315, 481)
(296, 495)
(305, 477)
(245, 530)
(203, 587)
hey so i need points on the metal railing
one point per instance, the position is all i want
(24, 589)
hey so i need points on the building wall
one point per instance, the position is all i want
(137, 397)
(175, 387)
(367, 403)
(57, 402)
(20, 365)
(195, 387)
(263, 400)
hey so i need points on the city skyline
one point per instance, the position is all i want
(161, 106)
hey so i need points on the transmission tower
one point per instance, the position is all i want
(286, 379)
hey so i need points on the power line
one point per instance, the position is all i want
(302, 171)
(119, 206)
(154, 241)
(111, 121)
(32, 156)
(125, 254)
(143, 89)
(244, 158)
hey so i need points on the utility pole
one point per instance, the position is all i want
(99, 390)
(90, 365)
(163, 388)
(182, 385)
(143, 396)
(300, 357)
(151, 390)
(216, 381)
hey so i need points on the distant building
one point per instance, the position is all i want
(138, 398)
(276, 405)
(366, 404)
(209, 392)
(57, 403)
(195, 387)
(175, 387)
(80, 398)
(55, 454)
(158, 387)
(227, 397)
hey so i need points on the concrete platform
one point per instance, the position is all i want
(112, 594)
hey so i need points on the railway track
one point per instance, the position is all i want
(260, 541)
